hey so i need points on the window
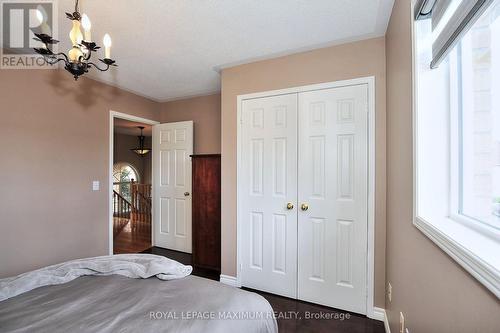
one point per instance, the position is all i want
(123, 175)
(457, 133)
(479, 120)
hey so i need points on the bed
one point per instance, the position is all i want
(116, 303)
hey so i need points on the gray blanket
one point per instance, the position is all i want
(120, 304)
(138, 266)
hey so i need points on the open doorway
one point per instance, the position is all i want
(130, 183)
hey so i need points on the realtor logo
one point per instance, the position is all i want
(20, 21)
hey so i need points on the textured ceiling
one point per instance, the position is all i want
(169, 49)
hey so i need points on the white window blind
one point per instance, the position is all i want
(423, 9)
(465, 16)
(455, 26)
(438, 11)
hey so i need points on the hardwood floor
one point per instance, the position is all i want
(118, 224)
(130, 237)
(309, 317)
(302, 316)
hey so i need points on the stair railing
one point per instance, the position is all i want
(141, 202)
(121, 207)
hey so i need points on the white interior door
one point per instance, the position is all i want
(268, 173)
(172, 147)
(333, 182)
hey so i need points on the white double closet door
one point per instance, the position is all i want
(303, 196)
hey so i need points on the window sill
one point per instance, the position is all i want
(473, 250)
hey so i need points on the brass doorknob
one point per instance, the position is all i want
(186, 194)
(304, 207)
(289, 206)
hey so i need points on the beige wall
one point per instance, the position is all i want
(360, 59)
(434, 293)
(206, 114)
(55, 142)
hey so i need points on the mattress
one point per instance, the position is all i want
(120, 304)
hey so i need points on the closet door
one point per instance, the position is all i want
(268, 194)
(333, 183)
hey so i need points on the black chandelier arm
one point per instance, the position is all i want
(53, 59)
(64, 55)
(98, 68)
(75, 16)
(54, 55)
(54, 62)
(107, 62)
(88, 56)
(66, 59)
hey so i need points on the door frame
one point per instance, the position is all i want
(370, 82)
(126, 116)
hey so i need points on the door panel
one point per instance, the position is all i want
(172, 147)
(333, 180)
(268, 173)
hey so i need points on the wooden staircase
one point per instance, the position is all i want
(137, 211)
(141, 203)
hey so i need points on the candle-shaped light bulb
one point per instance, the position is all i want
(76, 34)
(86, 25)
(107, 46)
(39, 17)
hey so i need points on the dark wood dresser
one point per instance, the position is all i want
(206, 211)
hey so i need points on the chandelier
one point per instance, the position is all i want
(141, 150)
(77, 61)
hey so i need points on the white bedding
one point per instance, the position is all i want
(107, 300)
(137, 266)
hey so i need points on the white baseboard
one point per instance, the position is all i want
(386, 322)
(229, 280)
(378, 314)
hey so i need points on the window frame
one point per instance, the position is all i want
(120, 184)
(455, 137)
(467, 241)
(126, 164)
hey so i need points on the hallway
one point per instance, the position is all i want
(130, 237)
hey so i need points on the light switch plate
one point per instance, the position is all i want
(95, 185)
